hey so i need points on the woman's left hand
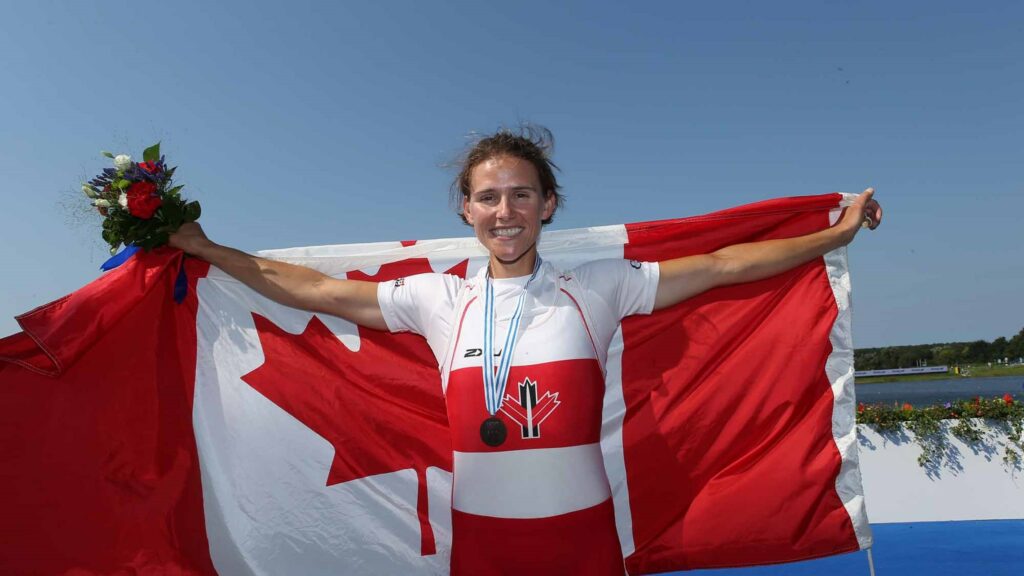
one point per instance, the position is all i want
(864, 212)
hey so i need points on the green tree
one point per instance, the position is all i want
(979, 351)
(1015, 347)
(998, 348)
(948, 353)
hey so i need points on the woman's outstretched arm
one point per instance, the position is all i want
(287, 284)
(686, 277)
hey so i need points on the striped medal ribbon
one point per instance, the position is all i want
(493, 431)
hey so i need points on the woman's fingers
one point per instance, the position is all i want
(870, 209)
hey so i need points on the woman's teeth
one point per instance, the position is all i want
(507, 232)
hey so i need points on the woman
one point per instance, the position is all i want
(521, 348)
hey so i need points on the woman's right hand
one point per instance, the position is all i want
(190, 238)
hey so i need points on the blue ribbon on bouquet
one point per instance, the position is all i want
(180, 283)
(119, 258)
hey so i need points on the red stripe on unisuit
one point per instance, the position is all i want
(576, 384)
(458, 334)
(585, 325)
(581, 542)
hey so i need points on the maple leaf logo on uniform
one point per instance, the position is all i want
(528, 410)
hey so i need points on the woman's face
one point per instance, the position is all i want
(505, 207)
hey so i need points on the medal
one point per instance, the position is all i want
(493, 431)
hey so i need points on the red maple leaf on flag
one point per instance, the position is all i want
(381, 407)
(407, 267)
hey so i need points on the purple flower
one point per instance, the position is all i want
(155, 172)
(947, 405)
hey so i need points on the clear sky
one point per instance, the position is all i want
(318, 123)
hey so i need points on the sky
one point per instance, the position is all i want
(309, 123)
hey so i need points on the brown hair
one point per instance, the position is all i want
(528, 142)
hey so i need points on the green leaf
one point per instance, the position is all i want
(152, 154)
(174, 191)
(135, 230)
(107, 154)
(122, 184)
(173, 213)
(192, 211)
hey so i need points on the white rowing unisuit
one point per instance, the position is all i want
(545, 486)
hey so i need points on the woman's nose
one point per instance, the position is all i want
(504, 207)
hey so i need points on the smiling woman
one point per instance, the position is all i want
(530, 143)
(507, 190)
(506, 207)
(525, 410)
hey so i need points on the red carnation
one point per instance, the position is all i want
(860, 408)
(142, 200)
(1008, 399)
(150, 167)
(907, 407)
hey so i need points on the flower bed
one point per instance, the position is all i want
(980, 423)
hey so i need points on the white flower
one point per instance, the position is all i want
(101, 203)
(89, 191)
(122, 162)
(123, 200)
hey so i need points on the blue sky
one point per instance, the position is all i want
(321, 123)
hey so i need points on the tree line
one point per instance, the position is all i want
(950, 353)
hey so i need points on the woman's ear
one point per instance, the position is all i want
(550, 201)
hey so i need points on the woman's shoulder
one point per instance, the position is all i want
(604, 268)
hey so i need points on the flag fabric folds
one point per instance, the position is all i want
(228, 434)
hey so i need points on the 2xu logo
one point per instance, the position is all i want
(474, 352)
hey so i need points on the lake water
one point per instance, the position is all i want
(938, 391)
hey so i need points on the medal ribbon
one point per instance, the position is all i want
(494, 383)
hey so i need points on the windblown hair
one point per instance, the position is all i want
(528, 142)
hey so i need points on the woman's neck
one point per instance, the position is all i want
(522, 266)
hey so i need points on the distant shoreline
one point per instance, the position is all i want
(974, 371)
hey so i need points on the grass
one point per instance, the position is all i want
(975, 371)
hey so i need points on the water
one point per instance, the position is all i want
(930, 392)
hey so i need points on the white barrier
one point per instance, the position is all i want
(902, 371)
(973, 483)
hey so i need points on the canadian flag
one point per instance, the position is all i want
(228, 434)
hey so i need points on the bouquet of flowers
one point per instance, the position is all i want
(139, 201)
